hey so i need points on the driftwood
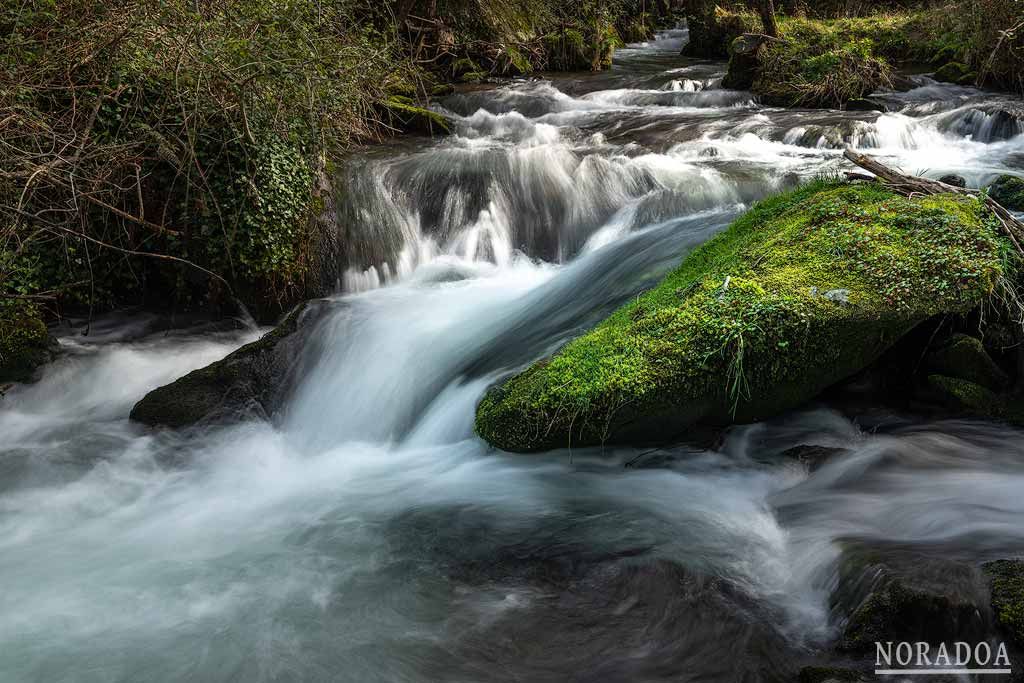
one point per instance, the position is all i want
(914, 185)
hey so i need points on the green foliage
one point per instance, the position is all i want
(1008, 190)
(801, 291)
(825, 64)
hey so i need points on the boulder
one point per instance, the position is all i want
(1006, 578)
(1008, 190)
(250, 381)
(954, 180)
(865, 104)
(955, 72)
(741, 331)
(964, 357)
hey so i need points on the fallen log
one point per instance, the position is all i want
(915, 185)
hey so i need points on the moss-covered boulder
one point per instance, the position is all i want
(955, 72)
(250, 381)
(25, 343)
(1007, 581)
(1008, 190)
(801, 292)
(964, 357)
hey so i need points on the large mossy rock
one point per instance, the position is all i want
(801, 292)
(964, 357)
(250, 381)
(25, 343)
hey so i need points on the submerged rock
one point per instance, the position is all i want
(735, 334)
(1008, 190)
(251, 380)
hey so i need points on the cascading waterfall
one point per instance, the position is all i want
(367, 534)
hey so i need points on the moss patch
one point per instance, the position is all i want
(802, 291)
(413, 119)
(1007, 578)
(24, 342)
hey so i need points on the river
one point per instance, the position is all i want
(365, 533)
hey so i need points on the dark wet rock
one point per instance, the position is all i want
(897, 594)
(813, 457)
(250, 381)
(964, 357)
(829, 674)
(954, 180)
(1008, 190)
(865, 104)
(1006, 578)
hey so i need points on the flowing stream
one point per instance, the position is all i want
(366, 534)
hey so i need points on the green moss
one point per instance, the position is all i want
(24, 341)
(416, 119)
(824, 63)
(474, 77)
(464, 66)
(1008, 190)
(800, 292)
(1007, 578)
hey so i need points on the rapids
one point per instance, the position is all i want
(366, 534)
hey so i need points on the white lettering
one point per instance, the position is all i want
(904, 656)
(1001, 658)
(977, 654)
(963, 653)
(942, 659)
(883, 653)
(922, 654)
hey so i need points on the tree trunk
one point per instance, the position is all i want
(768, 18)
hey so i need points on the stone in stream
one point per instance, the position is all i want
(954, 180)
(740, 333)
(250, 381)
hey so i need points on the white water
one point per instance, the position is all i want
(367, 534)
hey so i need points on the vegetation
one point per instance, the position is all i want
(829, 62)
(799, 293)
(174, 154)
